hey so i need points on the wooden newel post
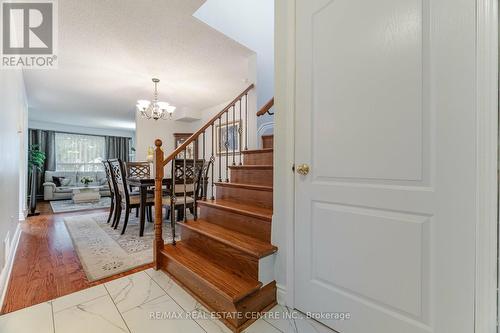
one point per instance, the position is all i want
(158, 242)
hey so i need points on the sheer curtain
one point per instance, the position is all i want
(77, 152)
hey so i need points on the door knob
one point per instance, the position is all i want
(303, 169)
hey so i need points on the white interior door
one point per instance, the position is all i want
(384, 225)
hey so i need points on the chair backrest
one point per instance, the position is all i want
(120, 179)
(109, 176)
(202, 184)
(138, 169)
(192, 171)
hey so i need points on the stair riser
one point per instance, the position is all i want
(252, 176)
(239, 262)
(245, 195)
(199, 287)
(264, 158)
(251, 226)
(264, 299)
(267, 141)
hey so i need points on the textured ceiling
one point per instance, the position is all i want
(109, 51)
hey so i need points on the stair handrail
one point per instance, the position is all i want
(266, 108)
(160, 162)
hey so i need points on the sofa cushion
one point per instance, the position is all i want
(58, 180)
(66, 174)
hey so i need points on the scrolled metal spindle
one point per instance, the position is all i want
(172, 201)
(185, 191)
(234, 134)
(212, 159)
(204, 174)
(240, 131)
(246, 121)
(227, 146)
(219, 133)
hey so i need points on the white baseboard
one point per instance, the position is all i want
(23, 215)
(281, 294)
(7, 270)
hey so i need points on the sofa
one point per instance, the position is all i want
(72, 179)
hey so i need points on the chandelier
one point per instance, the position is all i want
(155, 109)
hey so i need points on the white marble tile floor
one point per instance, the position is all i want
(138, 303)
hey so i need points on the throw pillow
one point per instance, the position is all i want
(58, 180)
(66, 181)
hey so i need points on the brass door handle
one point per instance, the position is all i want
(303, 169)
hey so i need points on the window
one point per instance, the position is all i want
(76, 152)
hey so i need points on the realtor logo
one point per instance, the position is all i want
(28, 34)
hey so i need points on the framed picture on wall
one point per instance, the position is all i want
(228, 134)
(191, 150)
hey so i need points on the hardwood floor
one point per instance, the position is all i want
(46, 265)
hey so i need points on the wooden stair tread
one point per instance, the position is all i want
(257, 151)
(252, 246)
(246, 186)
(225, 282)
(241, 208)
(252, 167)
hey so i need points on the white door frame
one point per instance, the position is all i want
(485, 306)
(487, 164)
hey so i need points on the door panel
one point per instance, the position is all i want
(373, 49)
(377, 233)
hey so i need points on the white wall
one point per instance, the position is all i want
(13, 109)
(250, 23)
(148, 130)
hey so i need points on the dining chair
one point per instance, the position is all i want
(139, 170)
(127, 201)
(188, 182)
(107, 169)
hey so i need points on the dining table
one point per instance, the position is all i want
(145, 184)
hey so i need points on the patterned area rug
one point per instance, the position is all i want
(60, 206)
(103, 251)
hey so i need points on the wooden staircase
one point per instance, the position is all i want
(221, 256)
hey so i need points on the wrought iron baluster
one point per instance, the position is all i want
(219, 134)
(185, 192)
(212, 159)
(203, 173)
(196, 181)
(227, 146)
(234, 134)
(172, 201)
(246, 121)
(240, 131)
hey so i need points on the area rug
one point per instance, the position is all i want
(104, 252)
(60, 206)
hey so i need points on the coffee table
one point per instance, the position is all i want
(86, 194)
